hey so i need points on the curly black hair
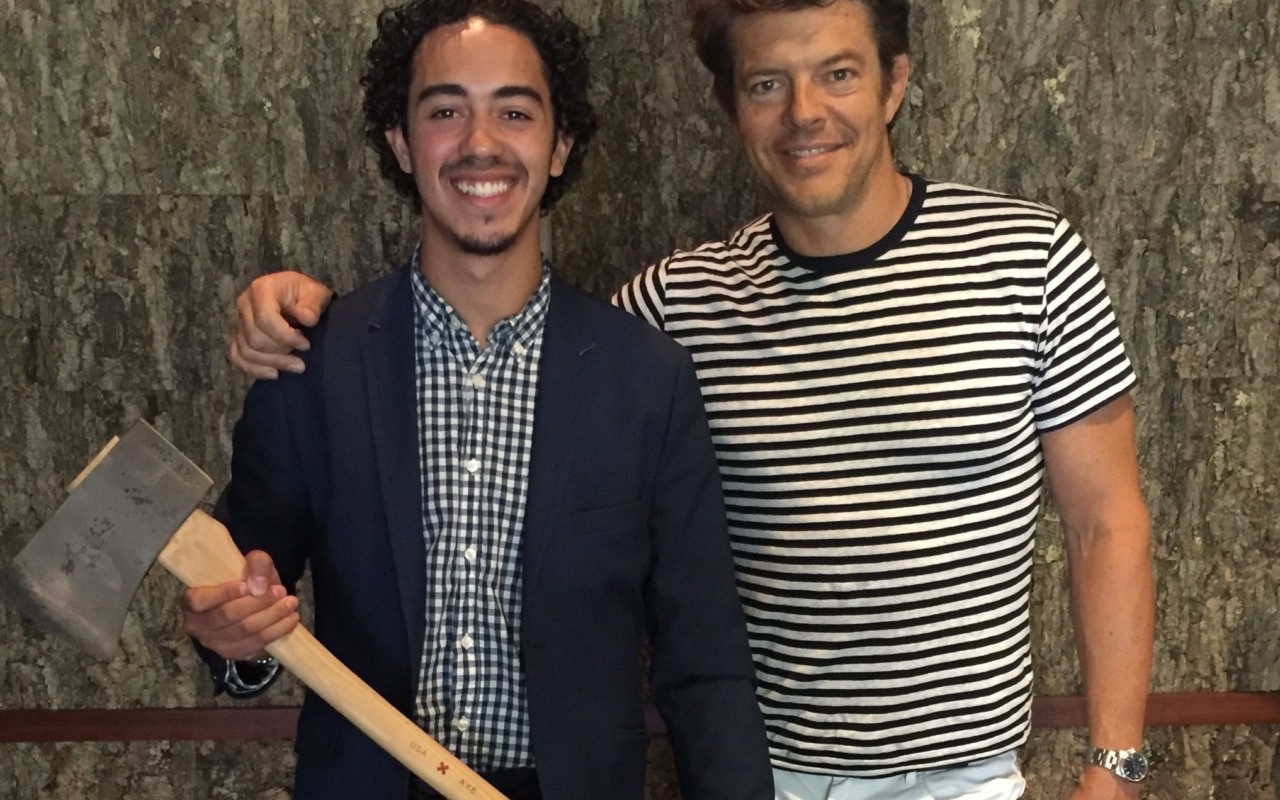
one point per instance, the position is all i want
(559, 42)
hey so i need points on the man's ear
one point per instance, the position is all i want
(560, 155)
(897, 87)
(395, 138)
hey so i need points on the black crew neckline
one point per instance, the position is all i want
(868, 254)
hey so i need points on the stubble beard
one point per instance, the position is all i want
(476, 246)
(494, 244)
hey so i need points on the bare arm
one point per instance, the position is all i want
(262, 339)
(1093, 474)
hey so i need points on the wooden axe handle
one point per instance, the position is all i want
(202, 553)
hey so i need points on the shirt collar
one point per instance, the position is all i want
(439, 323)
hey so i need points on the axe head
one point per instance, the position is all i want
(78, 574)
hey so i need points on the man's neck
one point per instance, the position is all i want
(483, 290)
(881, 207)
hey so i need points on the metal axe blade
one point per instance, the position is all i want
(79, 573)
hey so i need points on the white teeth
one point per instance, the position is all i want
(812, 151)
(484, 188)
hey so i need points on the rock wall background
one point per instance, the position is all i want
(155, 156)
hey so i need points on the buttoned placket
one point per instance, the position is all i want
(475, 363)
(475, 431)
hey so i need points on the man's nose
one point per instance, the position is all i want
(805, 106)
(481, 139)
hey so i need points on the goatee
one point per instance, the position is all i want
(475, 246)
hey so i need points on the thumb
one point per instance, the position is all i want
(259, 572)
(310, 298)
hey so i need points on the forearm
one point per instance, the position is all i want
(1112, 599)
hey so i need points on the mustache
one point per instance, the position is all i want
(480, 163)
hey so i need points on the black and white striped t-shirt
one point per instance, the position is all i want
(876, 418)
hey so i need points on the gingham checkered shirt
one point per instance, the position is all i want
(475, 433)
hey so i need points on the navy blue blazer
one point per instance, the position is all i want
(624, 537)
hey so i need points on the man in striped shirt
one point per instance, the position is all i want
(891, 367)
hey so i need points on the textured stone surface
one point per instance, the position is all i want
(154, 156)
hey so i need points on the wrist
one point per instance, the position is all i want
(1096, 782)
(1128, 765)
(247, 678)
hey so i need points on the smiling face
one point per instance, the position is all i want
(479, 138)
(812, 107)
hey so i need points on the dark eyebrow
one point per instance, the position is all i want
(457, 90)
(507, 92)
(826, 63)
(845, 56)
(450, 89)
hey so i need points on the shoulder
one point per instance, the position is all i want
(610, 325)
(958, 220)
(382, 303)
(372, 302)
(747, 244)
(629, 354)
(950, 197)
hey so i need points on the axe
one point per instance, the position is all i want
(136, 502)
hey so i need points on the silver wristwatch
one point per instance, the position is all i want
(1129, 765)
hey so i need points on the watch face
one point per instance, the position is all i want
(1133, 767)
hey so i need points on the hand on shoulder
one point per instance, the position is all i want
(270, 315)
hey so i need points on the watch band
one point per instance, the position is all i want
(1129, 765)
(247, 678)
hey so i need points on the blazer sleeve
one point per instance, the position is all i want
(702, 675)
(276, 463)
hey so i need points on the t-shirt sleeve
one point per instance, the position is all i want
(1082, 362)
(644, 295)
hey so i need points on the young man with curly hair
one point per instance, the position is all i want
(892, 368)
(500, 485)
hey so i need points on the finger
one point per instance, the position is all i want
(258, 631)
(256, 371)
(245, 626)
(310, 300)
(261, 629)
(271, 332)
(260, 324)
(255, 360)
(255, 350)
(276, 632)
(201, 599)
(259, 572)
(251, 350)
(267, 298)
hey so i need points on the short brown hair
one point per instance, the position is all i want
(712, 20)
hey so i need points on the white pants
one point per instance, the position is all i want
(995, 778)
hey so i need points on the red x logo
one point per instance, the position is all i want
(443, 768)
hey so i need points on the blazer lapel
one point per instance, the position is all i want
(565, 384)
(388, 352)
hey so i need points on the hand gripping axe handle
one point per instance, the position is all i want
(136, 502)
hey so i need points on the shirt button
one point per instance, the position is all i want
(461, 724)
(473, 466)
(520, 349)
(469, 554)
(477, 381)
(466, 641)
